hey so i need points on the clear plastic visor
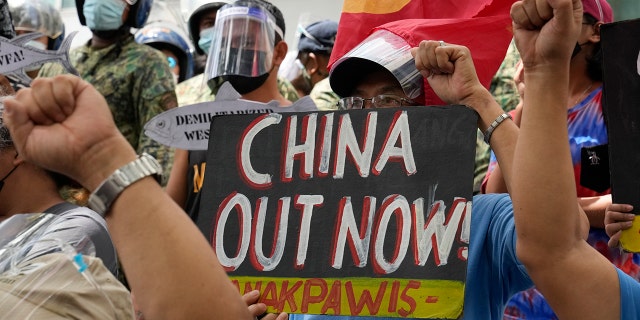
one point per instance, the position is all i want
(389, 51)
(243, 42)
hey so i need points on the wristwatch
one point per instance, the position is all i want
(107, 192)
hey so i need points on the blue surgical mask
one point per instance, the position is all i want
(206, 37)
(104, 14)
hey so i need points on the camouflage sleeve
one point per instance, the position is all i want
(323, 96)
(481, 162)
(193, 90)
(157, 94)
(503, 87)
(287, 90)
(51, 69)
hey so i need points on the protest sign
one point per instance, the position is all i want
(621, 64)
(360, 212)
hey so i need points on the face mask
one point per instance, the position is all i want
(104, 14)
(176, 77)
(243, 84)
(206, 37)
(37, 45)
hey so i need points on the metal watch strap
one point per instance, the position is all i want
(107, 192)
(494, 125)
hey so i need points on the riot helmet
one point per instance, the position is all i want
(38, 16)
(193, 11)
(165, 36)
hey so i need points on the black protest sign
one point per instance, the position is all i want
(621, 56)
(362, 212)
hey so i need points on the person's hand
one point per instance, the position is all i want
(617, 217)
(63, 124)
(449, 70)
(258, 309)
(546, 31)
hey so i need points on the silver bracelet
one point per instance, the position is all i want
(494, 125)
(103, 197)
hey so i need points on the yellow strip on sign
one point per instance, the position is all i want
(630, 238)
(442, 299)
(374, 6)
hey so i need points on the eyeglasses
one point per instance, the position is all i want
(379, 101)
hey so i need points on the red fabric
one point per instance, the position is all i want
(486, 37)
(356, 26)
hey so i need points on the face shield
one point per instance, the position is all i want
(384, 49)
(243, 43)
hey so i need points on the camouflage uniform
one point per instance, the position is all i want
(195, 90)
(323, 96)
(503, 88)
(136, 82)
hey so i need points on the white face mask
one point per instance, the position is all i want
(37, 45)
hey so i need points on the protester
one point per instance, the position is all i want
(38, 16)
(201, 19)
(26, 188)
(587, 135)
(134, 78)
(258, 44)
(153, 241)
(382, 82)
(579, 283)
(164, 36)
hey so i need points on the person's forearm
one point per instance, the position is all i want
(595, 208)
(495, 182)
(546, 193)
(177, 185)
(168, 262)
(504, 137)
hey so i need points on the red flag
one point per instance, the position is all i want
(359, 17)
(486, 37)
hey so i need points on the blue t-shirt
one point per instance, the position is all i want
(494, 273)
(629, 297)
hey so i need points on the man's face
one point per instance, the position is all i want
(248, 37)
(207, 20)
(379, 90)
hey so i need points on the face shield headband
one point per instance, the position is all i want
(243, 42)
